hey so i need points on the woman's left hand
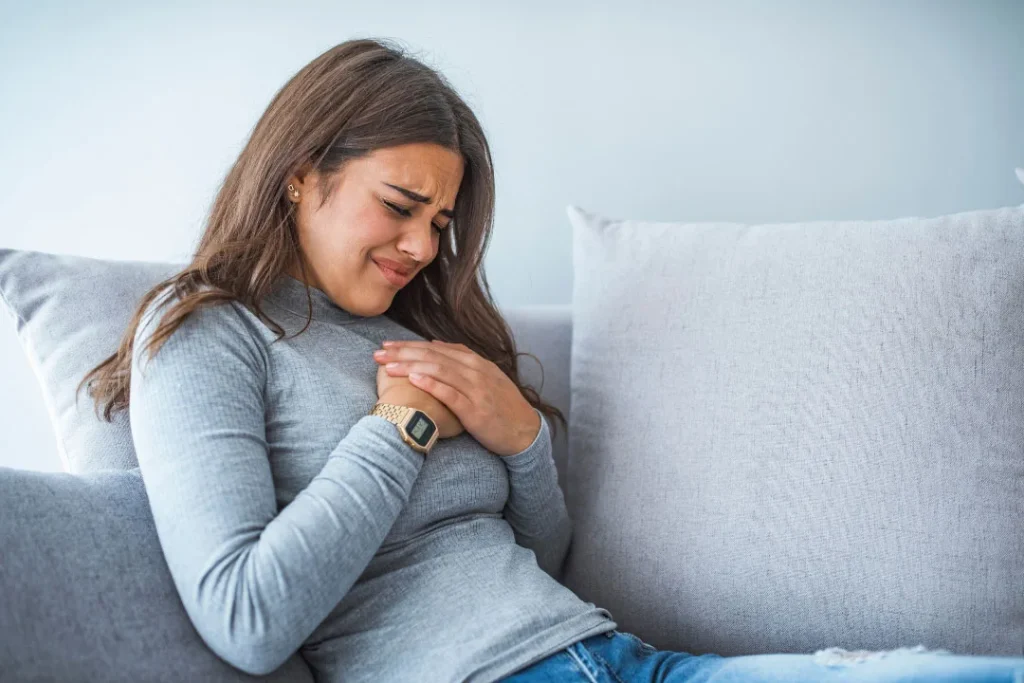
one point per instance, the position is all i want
(487, 403)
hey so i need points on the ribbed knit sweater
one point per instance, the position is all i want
(293, 521)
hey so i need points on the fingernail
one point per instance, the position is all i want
(379, 353)
(388, 343)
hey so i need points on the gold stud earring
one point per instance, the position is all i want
(291, 188)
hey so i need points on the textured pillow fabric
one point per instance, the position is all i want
(788, 437)
(86, 591)
(70, 312)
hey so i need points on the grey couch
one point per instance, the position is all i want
(782, 438)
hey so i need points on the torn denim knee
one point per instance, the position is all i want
(837, 656)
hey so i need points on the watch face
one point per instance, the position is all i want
(420, 428)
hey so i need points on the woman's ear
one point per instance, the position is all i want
(302, 177)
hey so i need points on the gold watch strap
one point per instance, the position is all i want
(391, 412)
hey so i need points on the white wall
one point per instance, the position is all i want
(118, 120)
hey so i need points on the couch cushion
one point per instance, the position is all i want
(544, 331)
(793, 436)
(87, 595)
(70, 312)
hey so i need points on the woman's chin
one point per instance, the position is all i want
(377, 307)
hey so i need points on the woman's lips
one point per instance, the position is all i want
(392, 276)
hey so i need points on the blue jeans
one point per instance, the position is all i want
(617, 657)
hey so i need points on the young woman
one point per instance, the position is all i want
(391, 512)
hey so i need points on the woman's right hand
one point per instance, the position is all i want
(400, 391)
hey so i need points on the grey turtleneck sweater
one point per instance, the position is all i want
(293, 521)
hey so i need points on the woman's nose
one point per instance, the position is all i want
(419, 242)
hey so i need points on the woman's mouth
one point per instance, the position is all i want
(392, 276)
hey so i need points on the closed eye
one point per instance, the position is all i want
(402, 211)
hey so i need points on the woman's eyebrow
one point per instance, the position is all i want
(416, 197)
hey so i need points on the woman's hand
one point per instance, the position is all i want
(400, 391)
(487, 403)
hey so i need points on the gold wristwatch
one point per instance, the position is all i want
(415, 427)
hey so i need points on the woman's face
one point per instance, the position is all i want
(343, 240)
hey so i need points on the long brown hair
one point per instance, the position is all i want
(356, 97)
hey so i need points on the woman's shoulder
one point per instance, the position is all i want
(219, 322)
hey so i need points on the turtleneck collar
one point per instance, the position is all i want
(289, 293)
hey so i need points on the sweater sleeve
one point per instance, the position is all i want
(536, 507)
(255, 581)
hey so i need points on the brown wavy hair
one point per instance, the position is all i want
(356, 97)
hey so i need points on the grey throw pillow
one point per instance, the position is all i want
(795, 436)
(87, 595)
(70, 312)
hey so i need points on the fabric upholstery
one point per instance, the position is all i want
(86, 591)
(71, 312)
(793, 436)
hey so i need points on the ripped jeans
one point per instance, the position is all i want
(618, 657)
